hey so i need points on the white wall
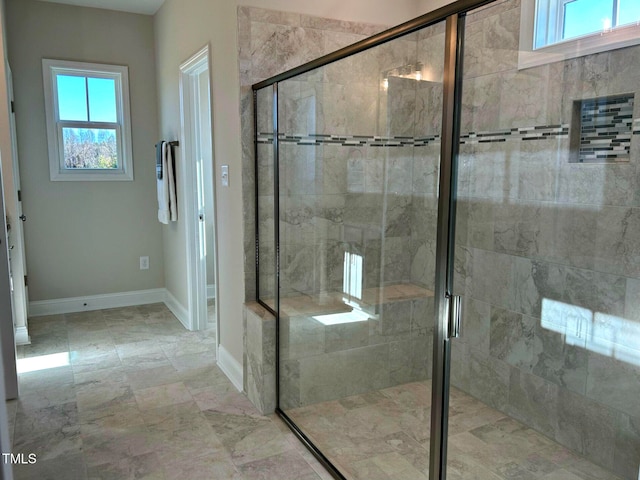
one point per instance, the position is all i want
(368, 11)
(181, 28)
(85, 238)
(425, 6)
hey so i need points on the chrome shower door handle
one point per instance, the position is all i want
(455, 316)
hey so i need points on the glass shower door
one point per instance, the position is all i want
(545, 379)
(359, 152)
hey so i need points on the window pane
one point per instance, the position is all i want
(90, 148)
(582, 17)
(102, 100)
(628, 12)
(72, 98)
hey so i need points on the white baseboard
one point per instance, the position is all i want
(100, 302)
(230, 367)
(177, 309)
(22, 336)
(96, 302)
(211, 291)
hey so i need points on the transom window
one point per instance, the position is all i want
(556, 30)
(559, 20)
(88, 126)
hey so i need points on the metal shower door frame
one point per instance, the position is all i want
(454, 17)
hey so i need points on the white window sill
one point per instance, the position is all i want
(91, 176)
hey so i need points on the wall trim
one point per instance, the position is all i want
(230, 367)
(22, 336)
(96, 302)
(179, 310)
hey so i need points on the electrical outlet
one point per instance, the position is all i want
(144, 263)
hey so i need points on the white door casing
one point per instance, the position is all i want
(197, 154)
(17, 248)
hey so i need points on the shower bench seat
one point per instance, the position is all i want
(345, 344)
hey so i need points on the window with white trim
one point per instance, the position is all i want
(555, 30)
(88, 124)
(560, 20)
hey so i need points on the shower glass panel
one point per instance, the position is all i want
(359, 148)
(546, 376)
(265, 192)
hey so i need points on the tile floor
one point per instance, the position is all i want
(141, 398)
(384, 435)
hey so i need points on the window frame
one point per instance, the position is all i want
(51, 68)
(550, 11)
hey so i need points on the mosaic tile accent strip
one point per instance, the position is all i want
(606, 129)
(544, 132)
(350, 140)
(541, 132)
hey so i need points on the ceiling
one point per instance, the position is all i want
(146, 7)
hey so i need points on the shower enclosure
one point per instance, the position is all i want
(437, 168)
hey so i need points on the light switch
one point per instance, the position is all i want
(225, 175)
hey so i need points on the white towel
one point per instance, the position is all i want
(173, 205)
(167, 203)
(163, 188)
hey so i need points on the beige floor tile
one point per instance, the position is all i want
(224, 397)
(286, 466)
(114, 418)
(42, 380)
(175, 417)
(148, 395)
(152, 377)
(111, 447)
(247, 438)
(134, 349)
(56, 417)
(194, 361)
(104, 396)
(210, 465)
(55, 395)
(162, 395)
(142, 467)
(67, 467)
(561, 475)
(145, 361)
(86, 381)
(49, 445)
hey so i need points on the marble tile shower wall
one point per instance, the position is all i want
(547, 250)
(343, 193)
(271, 42)
(318, 228)
(365, 199)
(341, 189)
(324, 189)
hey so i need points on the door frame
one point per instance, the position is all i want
(190, 70)
(20, 288)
